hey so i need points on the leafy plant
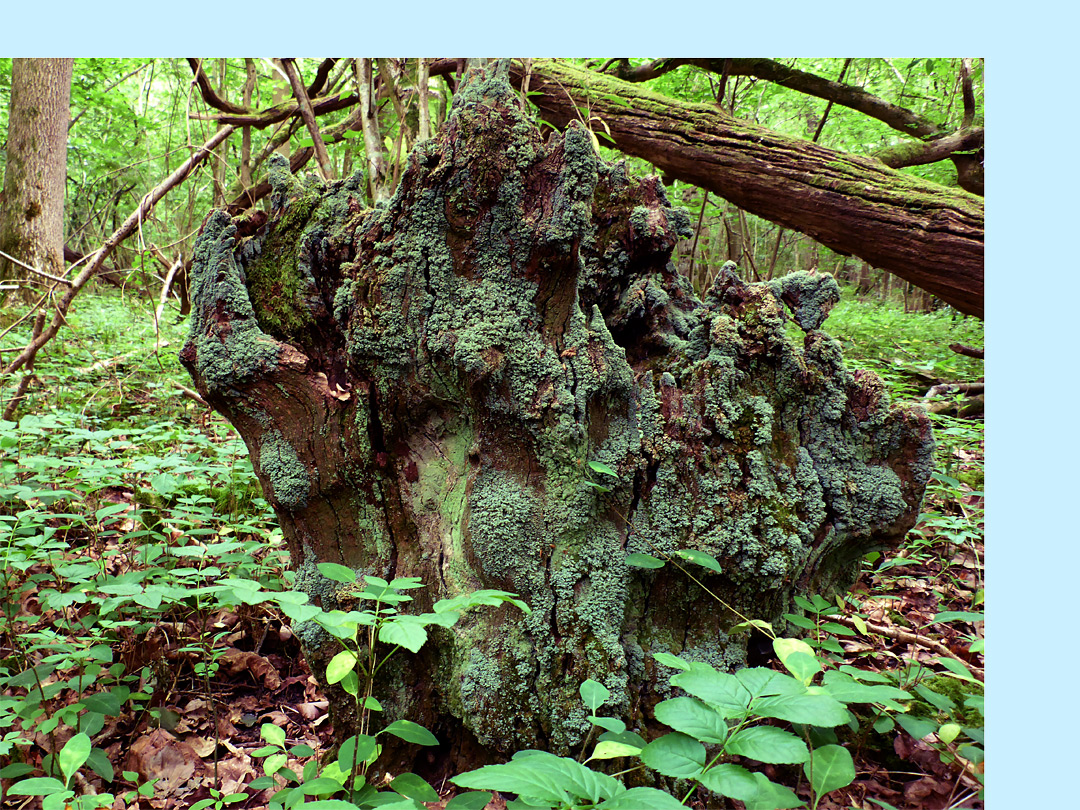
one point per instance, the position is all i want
(721, 717)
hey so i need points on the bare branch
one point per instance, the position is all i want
(279, 112)
(308, 115)
(207, 91)
(321, 75)
(919, 153)
(896, 117)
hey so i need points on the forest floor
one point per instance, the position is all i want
(174, 667)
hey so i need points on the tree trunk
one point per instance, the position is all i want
(424, 386)
(923, 232)
(32, 214)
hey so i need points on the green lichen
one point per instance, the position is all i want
(225, 347)
(283, 469)
(809, 296)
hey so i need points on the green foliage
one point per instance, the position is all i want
(720, 710)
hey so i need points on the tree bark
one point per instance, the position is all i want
(926, 233)
(32, 216)
(424, 387)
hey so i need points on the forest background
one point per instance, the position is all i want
(1047, 485)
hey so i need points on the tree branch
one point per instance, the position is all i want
(321, 75)
(308, 117)
(119, 235)
(919, 153)
(899, 118)
(207, 91)
(279, 112)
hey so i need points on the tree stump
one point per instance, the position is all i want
(423, 386)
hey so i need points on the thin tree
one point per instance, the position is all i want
(32, 214)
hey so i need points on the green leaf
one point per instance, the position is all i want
(413, 787)
(959, 615)
(355, 750)
(917, 727)
(638, 560)
(797, 657)
(411, 732)
(699, 558)
(814, 709)
(639, 798)
(719, 689)
(36, 786)
(675, 754)
(829, 768)
(340, 665)
(612, 724)
(338, 573)
(694, 718)
(409, 634)
(320, 786)
(768, 744)
(730, 780)
(73, 755)
(608, 749)
(105, 703)
(672, 661)
(594, 694)
(948, 732)
(351, 683)
(164, 484)
(771, 796)
(846, 689)
(752, 624)
(473, 800)
(537, 776)
(99, 763)
(596, 466)
(630, 738)
(274, 763)
(275, 735)
(957, 669)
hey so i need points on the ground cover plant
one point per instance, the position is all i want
(149, 655)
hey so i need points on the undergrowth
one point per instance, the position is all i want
(137, 554)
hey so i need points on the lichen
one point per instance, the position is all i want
(283, 469)
(809, 296)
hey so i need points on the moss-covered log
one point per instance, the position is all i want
(923, 232)
(423, 385)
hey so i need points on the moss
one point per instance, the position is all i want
(283, 469)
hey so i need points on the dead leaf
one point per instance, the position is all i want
(159, 755)
(235, 661)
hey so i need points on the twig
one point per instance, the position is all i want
(908, 637)
(190, 394)
(969, 351)
(166, 288)
(24, 265)
(24, 383)
(955, 388)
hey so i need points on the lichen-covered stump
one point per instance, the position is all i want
(422, 387)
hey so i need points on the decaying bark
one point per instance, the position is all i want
(423, 384)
